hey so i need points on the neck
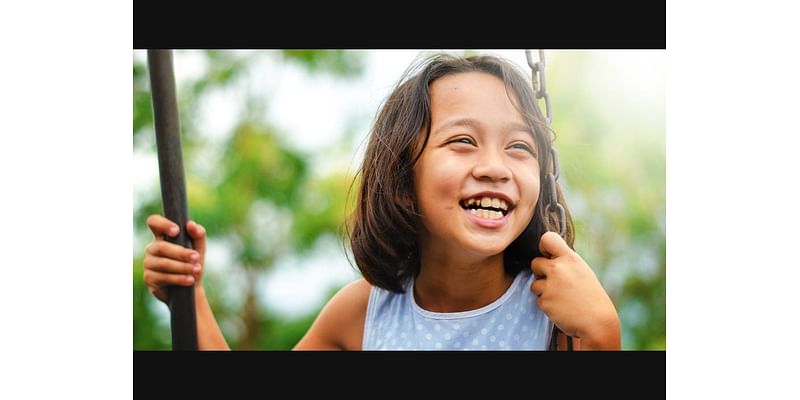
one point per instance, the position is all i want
(451, 283)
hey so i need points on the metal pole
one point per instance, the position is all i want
(173, 188)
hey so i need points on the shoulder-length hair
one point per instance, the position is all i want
(385, 224)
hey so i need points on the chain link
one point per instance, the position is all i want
(540, 89)
(539, 82)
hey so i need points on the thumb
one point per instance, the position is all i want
(198, 234)
(552, 245)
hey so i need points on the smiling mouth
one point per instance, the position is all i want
(487, 207)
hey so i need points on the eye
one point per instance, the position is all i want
(464, 140)
(523, 146)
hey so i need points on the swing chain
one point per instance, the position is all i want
(540, 89)
(554, 206)
(539, 83)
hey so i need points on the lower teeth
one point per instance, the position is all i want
(486, 214)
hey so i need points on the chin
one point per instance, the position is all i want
(487, 251)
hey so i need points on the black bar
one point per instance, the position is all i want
(173, 188)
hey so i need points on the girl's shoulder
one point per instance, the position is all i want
(340, 324)
(352, 298)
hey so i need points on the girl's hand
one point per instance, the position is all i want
(571, 295)
(168, 263)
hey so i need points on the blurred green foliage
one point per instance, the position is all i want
(613, 172)
(257, 175)
(613, 159)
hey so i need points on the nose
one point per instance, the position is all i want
(491, 167)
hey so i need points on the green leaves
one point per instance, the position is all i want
(339, 62)
(255, 195)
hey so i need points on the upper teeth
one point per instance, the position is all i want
(488, 202)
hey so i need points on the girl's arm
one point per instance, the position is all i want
(209, 335)
(605, 336)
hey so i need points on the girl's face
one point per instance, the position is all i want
(477, 180)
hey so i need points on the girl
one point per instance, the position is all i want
(449, 232)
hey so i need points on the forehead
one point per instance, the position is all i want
(476, 95)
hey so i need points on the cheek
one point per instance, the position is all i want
(435, 184)
(529, 190)
(439, 175)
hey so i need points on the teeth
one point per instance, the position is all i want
(487, 202)
(486, 214)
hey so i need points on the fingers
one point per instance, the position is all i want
(166, 265)
(155, 279)
(541, 267)
(552, 245)
(161, 226)
(169, 264)
(198, 235)
(161, 248)
(538, 287)
(161, 272)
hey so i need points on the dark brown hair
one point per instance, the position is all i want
(384, 235)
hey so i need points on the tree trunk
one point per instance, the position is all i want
(251, 320)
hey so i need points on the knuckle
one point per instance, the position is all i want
(154, 221)
(155, 247)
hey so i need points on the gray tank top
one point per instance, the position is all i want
(512, 322)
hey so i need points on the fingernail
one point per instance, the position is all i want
(190, 279)
(173, 231)
(196, 269)
(194, 257)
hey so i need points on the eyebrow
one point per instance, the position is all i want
(474, 123)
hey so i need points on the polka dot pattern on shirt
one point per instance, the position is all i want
(512, 322)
